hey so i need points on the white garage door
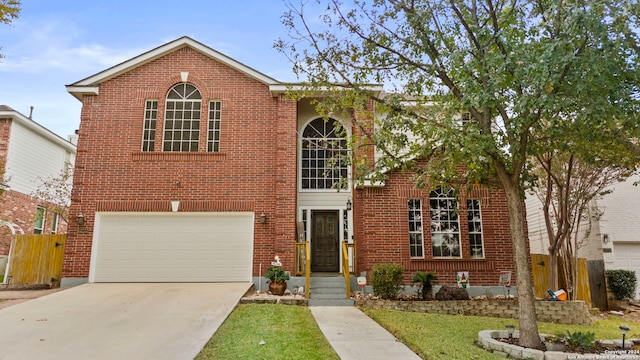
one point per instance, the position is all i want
(627, 257)
(172, 247)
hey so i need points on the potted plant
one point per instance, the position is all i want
(277, 279)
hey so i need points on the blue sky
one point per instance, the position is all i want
(56, 43)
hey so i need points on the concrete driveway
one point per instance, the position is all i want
(118, 321)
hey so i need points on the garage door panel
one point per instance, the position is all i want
(174, 247)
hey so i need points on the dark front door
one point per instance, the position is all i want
(324, 241)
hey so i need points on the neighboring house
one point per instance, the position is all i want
(612, 236)
(28, 153)
(194, 167)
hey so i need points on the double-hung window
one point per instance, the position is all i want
(445, 225)
(475, 228)
(38, 226)
(149, 127)
(416, 244)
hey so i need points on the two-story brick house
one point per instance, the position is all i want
(194, 167)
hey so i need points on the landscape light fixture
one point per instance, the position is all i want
(510, 329)
(624, 329)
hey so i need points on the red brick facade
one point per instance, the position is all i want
(382, 228)
(255, 170)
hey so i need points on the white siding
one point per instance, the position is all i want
(30, 156)
(621, 209)
(589, 248)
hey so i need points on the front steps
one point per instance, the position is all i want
(328, 291)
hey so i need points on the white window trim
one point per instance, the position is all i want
(421, 231)
(431, 232)
(44, 220)
(164, 119)
(55, 223)
(300, 131)
(213, 141)
(481, 233)
(144, 125)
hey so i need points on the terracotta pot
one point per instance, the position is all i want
(277, 288)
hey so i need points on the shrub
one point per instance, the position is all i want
(386, 280)
(580, 341)
(622, 283)
(425, 281)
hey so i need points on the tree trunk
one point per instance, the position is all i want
(529, 336)
(553, 270)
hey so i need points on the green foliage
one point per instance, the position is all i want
(386, 280)
(525, 71)
(425, 281)
(580, 340)
(276, 274)
(9, 10)
(622, 283)
(288, 332)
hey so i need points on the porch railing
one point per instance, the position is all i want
(303, 263)
(347, 270)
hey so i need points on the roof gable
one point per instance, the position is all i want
(90, 84)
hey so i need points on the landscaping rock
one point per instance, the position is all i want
(447, 292)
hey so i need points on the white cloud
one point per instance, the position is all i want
(58, 46)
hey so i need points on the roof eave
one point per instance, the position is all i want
(79, 91)
(39, 129)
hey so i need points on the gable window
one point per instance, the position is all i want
(182, 119)
(149, 129)
(416, 247)
(323, 155)
(213, 129)
(445, 225)
(475, 228)
(38, 226)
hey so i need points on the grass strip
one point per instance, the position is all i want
(288, 332)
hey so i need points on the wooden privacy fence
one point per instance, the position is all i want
(540, 270)
(36, 260)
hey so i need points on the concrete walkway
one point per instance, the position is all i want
(355, 336)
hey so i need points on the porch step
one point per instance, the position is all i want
(328, 291)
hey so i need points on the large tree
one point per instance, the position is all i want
(9, 10)
(520, 70)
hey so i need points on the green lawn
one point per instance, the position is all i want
(288, 332)
(435, 336)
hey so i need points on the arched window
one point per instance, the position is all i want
(445, 224)
(182, 119)
(323, 155)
